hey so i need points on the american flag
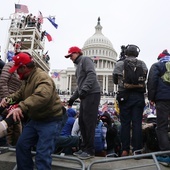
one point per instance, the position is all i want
(96, 58)
(40, 16)
(55, 75)
(21, 8)
(105, 107)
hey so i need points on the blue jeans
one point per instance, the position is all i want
(67, 142)
(43, 135)
(131, 113)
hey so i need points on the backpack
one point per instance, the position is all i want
(99, 138)
(134, 75)
(166, 75)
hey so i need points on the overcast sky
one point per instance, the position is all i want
(144, 23)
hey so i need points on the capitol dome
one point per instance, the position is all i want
(100, 49)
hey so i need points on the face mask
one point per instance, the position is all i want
(22, 75)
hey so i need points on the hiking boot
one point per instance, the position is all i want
(85, 155)
(78, 153)
(125, 153)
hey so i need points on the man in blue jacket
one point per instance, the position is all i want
(88, 90)
(159, 93)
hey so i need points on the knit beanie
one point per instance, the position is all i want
(163, 54)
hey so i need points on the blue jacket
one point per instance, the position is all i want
(66, 131)
(157, 89)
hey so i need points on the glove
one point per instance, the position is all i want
(83, 94)
(70, 102)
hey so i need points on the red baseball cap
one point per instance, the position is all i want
(19, 60)
(73, 50)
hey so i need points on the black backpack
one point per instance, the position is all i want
(134, 75)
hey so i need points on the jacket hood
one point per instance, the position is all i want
(71, 112)
(106, 118)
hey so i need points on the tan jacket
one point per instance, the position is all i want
(37, 97)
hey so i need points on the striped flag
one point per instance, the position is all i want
(55, 75)
(48, 36)
(105, 107)
(40, 16)
(96, 58)
(21, 8)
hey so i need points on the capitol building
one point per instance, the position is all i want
(100, 49)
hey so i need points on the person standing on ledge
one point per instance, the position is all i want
(88, 90)
(38, 102)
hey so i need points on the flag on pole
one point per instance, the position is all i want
(105, 107)
(40, 18)
(52, 20)
(55, 75)
(96, 58)
(21, 8)
(48, 36)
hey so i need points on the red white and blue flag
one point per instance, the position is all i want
(55, 75)
(96, 58)
(48, 36)
(40, 16)
(19, 8)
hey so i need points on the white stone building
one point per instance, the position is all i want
(100, 49)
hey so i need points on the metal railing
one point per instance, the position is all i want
(74, 160)
(137, 157)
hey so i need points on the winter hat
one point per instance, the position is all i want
(71, 112)
(163, 54)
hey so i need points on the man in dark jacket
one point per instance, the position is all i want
(88, 90)
(131, 103)
(159, 93)
(37, 101)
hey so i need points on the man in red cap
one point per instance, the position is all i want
(88, 90)
(159, 93)
(38, 103)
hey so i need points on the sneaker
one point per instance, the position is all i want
(165, 159)
(78, 153)
(85, 155)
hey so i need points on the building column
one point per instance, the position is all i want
(70, 83)
(104, 88)
(67, 82)
(107, 80)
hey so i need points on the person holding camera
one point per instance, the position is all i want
(130, 75)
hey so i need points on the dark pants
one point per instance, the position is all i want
(163, 112)
(131, 112)
(88, 120)
(67, 142)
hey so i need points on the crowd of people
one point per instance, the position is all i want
(34, 117)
